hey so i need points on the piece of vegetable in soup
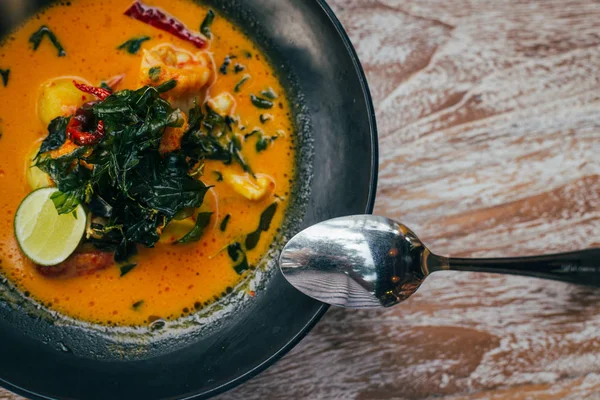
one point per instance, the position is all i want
(169, 128)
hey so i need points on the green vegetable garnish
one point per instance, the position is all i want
(224, 223)
(194, 235)
(154, 73)
(208, 20)
(56, 134)
(124, 178)
(210, 136)
(238, 86)
(265, 222)
(269, 94)
(223, 68)
(262, 144)
(37, 36)
(238, 256)
(260, 102)
(136, 188)
(4, 74)
(132, 46)
(125, 269)
(137, 304)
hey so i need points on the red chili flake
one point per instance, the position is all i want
(252, 293)
(98, 92)
(159, 19)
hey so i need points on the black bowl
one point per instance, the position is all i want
(334, 112)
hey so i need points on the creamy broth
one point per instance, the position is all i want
(168, 281)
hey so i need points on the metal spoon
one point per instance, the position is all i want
(366, 261)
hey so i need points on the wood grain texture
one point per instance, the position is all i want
(489, 124)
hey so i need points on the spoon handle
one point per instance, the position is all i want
(581, 267)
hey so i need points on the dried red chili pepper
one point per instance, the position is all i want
(98, 92)
(78, 128)
(157, 18)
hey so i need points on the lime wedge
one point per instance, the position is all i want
(46, 237)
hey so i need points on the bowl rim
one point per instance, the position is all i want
(374, 161)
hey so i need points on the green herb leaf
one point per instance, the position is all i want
(260, 102)
(265, 117)
(57, 134)
(219, 176)
(4, 74)
(238, 256)
(210, 136)
(125, 269)
(269, 94)
(137, 304)
(224, 223)
(262, 143)
(132, 46)
(65, 202)
(59, 168)
(202, 221)
(266, 217)
(104, 85)
(206, 24)
(167, 187)
(265, 222)
(247, 54)
(154, 73)
(238, 68)
(225, 65)
(168, 85)
(72, 181)
(37, 36)
(74, 189)
(254, 132)
(238, 86)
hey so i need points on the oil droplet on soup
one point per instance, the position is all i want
(101, 44)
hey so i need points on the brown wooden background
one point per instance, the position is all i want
(489, 119)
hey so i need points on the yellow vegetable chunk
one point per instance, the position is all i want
(36, 178)
(59, 97)
(247, 186)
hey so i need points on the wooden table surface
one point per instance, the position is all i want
(489, 122)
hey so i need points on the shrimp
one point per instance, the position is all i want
(58, 97)
(164, 62)
(36, 178)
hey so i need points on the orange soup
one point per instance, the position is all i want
(179, 149)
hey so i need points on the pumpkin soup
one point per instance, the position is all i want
(163, 128)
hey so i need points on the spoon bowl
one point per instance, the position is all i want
(368, 261)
